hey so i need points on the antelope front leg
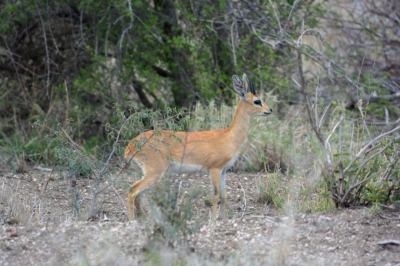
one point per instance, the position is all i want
(131, 197)
(223, 194)
(216, 178)
(134, 198)
(138, 204)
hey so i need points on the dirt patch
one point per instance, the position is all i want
(46, 233)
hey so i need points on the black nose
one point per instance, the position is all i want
(270, 109)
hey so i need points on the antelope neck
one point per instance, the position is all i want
(240, 125)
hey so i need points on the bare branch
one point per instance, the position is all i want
(244, 200)
(310, 116)
(46, 48)
(368, 145)
(334, 128)
(277, 18)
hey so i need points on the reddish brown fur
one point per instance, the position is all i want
(214, 150)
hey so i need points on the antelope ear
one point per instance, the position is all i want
(246, 82)
(240, 86)
(252, 88)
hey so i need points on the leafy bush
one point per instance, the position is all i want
(170, 219)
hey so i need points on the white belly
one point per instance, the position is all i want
(230, 163)
(179, 168)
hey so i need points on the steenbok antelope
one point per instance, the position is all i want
(212, 151)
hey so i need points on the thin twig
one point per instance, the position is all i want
(367, 178)
(277, 18)
(333, 130)
(290, 14)
(309, 113)
(76, 144)
(99, 175)
(323, 114)
(126, 165)
(46, 48)
(244, 199)
(369, 143)
(116, 192)
(67, 105)
(47, 181)
(233, 44)
(356, 175)
(389, 241)
(261, 39)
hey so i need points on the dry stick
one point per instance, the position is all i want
(116, 192)
(367, 178)
(51, 105)
(386, 116)
(233, 44)
(130, 158)
(369, 143)
(125, 166)
(10, 55)
(333, 130)
(353, 186)
(102, 171)
(76, 144)
(389, 168)
(47, 50)
(254, 10)
(260, 38)
(244, 199)
(67, 103)
(47, 181)
(341, 179)
(390, 241)
(308, 104)
(178, 184)
(290, 14)
(330, 62)
(251, 26)
(323, 114)
(82, 13)
(277, 18)
(52, 35)
(123, 35)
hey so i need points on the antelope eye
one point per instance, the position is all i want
(257, 102)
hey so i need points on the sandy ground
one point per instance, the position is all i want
(45, 232)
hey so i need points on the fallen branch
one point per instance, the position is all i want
(43, 169)
(389, 241)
